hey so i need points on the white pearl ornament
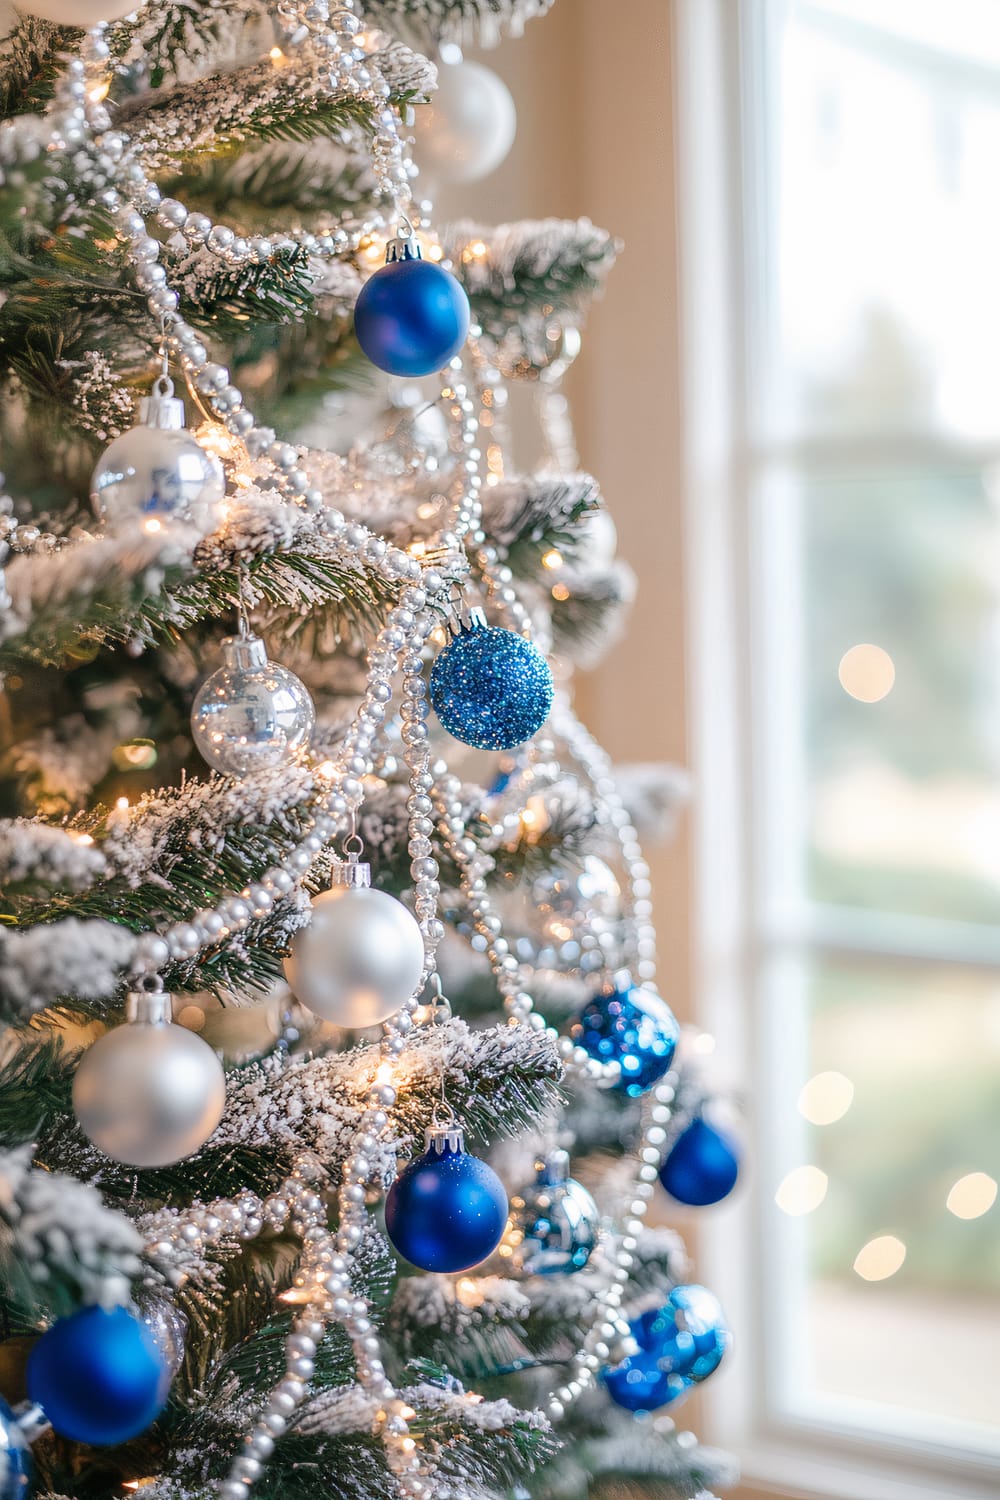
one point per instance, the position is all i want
(361, 957)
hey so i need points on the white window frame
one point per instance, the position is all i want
(721, 119)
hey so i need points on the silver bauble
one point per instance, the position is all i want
(80, 12)
(360, 958)
(469, 126)
(554, 1223)
(157, 472)
(149, 1093)
(251, 714)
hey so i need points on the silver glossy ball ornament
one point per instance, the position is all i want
(251, 714)
(554, 1224)
(362, 955)
(468, 127)
(80, 12)
(149, 1093)
(157, 473)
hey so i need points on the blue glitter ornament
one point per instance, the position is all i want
(701, 1166)
(447, 1210)
(412, 316)
(16, 1468)
(99, 1376)
(554, 1223)
(630, 1025)
(490, 688)
(680, 1344)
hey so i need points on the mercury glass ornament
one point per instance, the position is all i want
(554, 1223)
(157, 473)
(251, 714)
(468, 127)
(149, 1093)
(362, 955)
(629, 1024)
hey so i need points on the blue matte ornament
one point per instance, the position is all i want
(629, 1024)
(701, 1166)
(16, 1467)
(490, 688)
(447, 1210)
(99, 1376)
(680, 1344)
(412, 316)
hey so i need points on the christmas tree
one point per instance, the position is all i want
(334, 1089)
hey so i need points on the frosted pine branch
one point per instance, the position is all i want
(428, 23)
(31, 851)
(59, 1244)
(537, 508)
(71, 959)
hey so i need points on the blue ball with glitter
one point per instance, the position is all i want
(630, 1025)
(412, 317)
(447, 1210)
(680, 1344)
(16, 1468)
(99, 1376)
(491, 688)
(701, 1166)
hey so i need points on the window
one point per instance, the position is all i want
(840, 223)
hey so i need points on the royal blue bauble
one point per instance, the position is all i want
(680, 1344)
(491, 688)
(701, 1166)
(630, 1025)
(447, 1210)
(16, 1468)
(99, 1376)
(412, 317)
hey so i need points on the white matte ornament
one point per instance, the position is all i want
(149, 1093)
(156, 473)
(80, 12)
(361, 957)
(251, 714)
(469, 126)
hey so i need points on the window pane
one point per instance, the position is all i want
(887, 655)
(886, 122)
(883, 1196)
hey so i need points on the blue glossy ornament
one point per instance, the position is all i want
(99, 1376)
(16, 1468)
(554, 1223)
(447, 1210)
(630, 1025)
(412, 316)
(701, 1166)
(491, 688)
(680, 1344)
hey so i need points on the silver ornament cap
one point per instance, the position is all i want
(149, 1093)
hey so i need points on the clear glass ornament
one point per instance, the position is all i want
(149, 1093)
(156, 473)
(554, 1223)
(251, 714)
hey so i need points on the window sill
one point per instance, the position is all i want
(809, 1471)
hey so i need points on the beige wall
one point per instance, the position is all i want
(587, 96)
